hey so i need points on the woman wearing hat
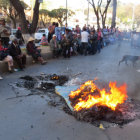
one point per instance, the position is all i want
(34, 51)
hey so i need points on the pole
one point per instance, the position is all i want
(66, 13)
(133, 17)
(88, 14)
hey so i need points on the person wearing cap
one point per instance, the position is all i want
(55, 47)
(19, 36)
(17, 54)
(4, 56)
(34, 51)
(5, 32)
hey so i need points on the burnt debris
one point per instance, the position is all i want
(96, 115)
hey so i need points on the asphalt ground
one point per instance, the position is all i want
(31, 118)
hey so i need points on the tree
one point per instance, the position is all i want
(60, 14)
(24, 24)
(137, 15)
(45, 16)
(104, 12)
(113, 24)
(10, 11)
(96, 10)
(100, 11)
(124, 13)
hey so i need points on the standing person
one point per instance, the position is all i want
(77, 29)
(65, 47)
(55, 47)
(93, 41)
(57, 32)
(84, 41)
(4, 56)
(51, 32)
(5, 32)
(17, 55)
(19, 36)
(99, 39)
(69, 38)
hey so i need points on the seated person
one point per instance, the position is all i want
(65, 47)
(34, 51)
(17, 55)
(55, 47)
(44, 41)
(4, 56)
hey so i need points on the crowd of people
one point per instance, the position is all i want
(70, 42)
(85, 41)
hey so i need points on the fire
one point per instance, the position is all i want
(89, 95)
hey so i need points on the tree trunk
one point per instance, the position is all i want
(14, 24)
(35, 17)
(103, 23)
(98, 21)
(96, 11)
(24, 25)
(114, 13)
(44, 24)
(19, 8)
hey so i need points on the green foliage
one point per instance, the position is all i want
(60, 14)
(137, 15)
(6, 4)
(124, 13)
(10, 11)
(45, 16)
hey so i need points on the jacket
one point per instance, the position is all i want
(15, 50)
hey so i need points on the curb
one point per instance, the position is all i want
(46, 54)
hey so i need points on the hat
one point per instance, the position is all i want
(54, 35)
(14, 39)
(31, 39)
(19, 28)
(2, 19)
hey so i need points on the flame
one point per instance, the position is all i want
(89, 95)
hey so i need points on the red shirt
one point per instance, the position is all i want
(2, 49)
(99, 36)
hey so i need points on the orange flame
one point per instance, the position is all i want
(86, 96)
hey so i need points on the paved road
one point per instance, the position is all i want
(22, 119)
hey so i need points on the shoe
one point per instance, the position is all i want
(15, 70)
(1, 78)
(44, 62)
(11, 71)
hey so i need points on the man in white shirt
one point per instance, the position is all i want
(84, 41)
